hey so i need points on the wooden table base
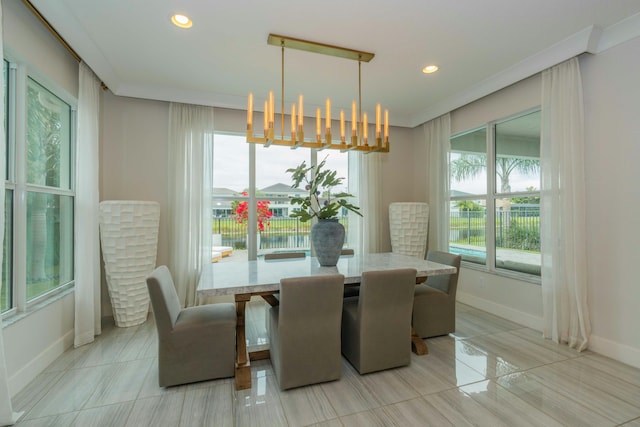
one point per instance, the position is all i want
(243, 355)
(243, 362)
(418, 345)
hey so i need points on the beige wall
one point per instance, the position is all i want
(398, 180)
(24, 36)
(513, 99)
(612, 156)
(134, 161)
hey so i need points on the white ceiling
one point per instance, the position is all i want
(480, 46)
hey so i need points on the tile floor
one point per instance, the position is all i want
(492, 372)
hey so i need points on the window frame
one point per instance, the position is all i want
(252, 198)
(490, 199)
(19, 74)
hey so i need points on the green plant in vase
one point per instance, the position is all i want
(317, 179)
(327, 236)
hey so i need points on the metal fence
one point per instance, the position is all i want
(518, 228)
(280, 233)
(467, 227)
(515, 228)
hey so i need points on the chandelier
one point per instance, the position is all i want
(358, 138)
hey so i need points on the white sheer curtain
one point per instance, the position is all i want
(369, 190)
(7, 416)
(190, 186)
(562, 219)
(437, 134)
(87, 246)
(354, 230)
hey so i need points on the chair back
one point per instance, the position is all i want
(310, 298)
(384, 306)
(304, 331)
(164, 299)
(446, 283)
(284, 255)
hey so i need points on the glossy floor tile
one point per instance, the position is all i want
(491, 372)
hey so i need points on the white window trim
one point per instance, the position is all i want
(18, 75)
(490, 203)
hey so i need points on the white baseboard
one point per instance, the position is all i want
(620, 352)
(24, 376)
(524, 319)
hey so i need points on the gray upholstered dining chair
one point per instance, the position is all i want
(304, 330)
(279, 256)
(283, 255)
(434, 302)
(376, 326)
(195, 343)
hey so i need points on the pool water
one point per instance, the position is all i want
(468, 252)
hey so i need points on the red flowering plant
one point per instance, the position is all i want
(241, 212)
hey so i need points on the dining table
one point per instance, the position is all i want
(244, 279)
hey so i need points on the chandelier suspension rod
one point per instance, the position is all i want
(282, 90)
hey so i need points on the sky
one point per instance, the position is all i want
(231, 163)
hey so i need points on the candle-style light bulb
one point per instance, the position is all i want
(300, 116)
(386, 126)
(354, 121)
(378, 121)
(293, 122)
(266, 117)
(318, 123)
(250, 111)
(328, 121)
(365, 131)
(271, 109)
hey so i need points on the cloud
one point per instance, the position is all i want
(231, 163)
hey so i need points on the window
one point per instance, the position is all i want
(276, 230)
(7, 271)
(38, 242)
(495, 206)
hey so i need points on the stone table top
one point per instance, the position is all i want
(242, 277)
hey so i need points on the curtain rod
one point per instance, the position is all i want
(55, 34)
(52, 30)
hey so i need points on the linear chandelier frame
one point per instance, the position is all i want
(358, 140)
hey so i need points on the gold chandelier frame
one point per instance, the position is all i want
(358, 140)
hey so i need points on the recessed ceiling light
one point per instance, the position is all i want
(430, 69)
(181, 21)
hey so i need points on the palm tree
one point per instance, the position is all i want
(43, 160)
(470, 166)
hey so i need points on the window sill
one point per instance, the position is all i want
(13, 318)
(523, 277)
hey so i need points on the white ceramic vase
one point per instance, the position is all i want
(409, 228)
(129, 239)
